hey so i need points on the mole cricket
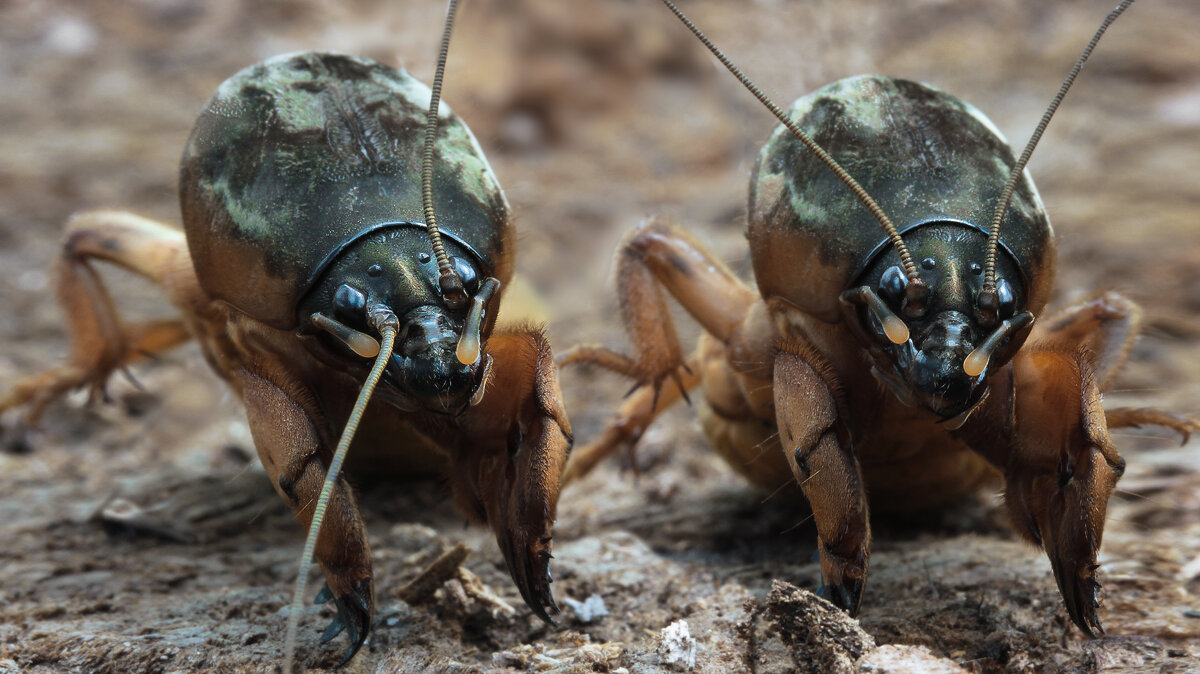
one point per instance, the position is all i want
(897, 345)
(333, 209)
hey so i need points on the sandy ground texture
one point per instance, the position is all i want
(142, 536)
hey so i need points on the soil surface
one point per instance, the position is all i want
(142, 536)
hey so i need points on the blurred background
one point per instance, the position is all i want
(594, 114)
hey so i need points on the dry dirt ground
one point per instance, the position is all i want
(141, 536)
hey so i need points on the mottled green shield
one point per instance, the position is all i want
(297, 155)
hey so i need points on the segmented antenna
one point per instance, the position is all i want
(388, 325)
(988, 299)
(917, 290)
(451, 284)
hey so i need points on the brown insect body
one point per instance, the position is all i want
(800, 378)
(300, 191)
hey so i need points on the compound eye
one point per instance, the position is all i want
(470, 279)
(892, 285)
(1007, 301)
(349, 303)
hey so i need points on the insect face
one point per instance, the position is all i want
(425, 372)
(925, 357)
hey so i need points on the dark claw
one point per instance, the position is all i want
(1072, 556)
(846, 596)
(353, 617)
(1081, 596)
(324, 595)
(132, 379)
(20, 438)
(682, 390)
(849, 578)
(530, 570)
(336, 627)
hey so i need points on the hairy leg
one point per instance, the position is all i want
(508, 454)
(654, 256)
(1061, 471)
(1136, 417)
(1046, 431)
(1059, 462)
(635, 415)
(283, 421)
(1106, 327)
(825, 466)
(101, 342)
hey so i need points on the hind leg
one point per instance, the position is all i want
(101, 342)
(654, 256)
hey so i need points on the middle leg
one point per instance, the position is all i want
(1105, 328)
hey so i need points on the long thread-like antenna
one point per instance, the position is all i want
(988, 298)
(388, 325)
(451, 284)
(916, 287)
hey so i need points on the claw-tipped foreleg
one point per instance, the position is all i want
(509, 457)
(1048, 433)
(1060, 473)
(1063, 511)
(285, 434)
(829, 474)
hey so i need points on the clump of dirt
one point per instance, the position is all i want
(820, 637)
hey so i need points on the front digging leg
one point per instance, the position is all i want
(1059, 466)
(508, 459)
(1062, 472)
(827, 470)
(294, 455)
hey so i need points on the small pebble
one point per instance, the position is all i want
(676, 646)
(589, 609)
